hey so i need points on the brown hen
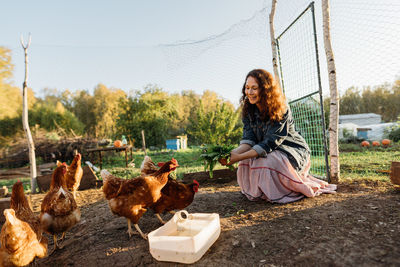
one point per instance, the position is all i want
(19, 242)
(74, 173)
(135, 195)
(59, 211)
(174, 195)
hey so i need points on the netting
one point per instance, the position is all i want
(364, 37)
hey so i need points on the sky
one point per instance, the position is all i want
(189, 45)
(78, 44)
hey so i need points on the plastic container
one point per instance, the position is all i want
(124, 141)
(185, 238)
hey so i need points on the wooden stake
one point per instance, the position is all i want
(31, 145)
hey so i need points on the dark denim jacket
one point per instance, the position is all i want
(266, 137)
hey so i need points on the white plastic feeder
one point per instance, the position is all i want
(185, 238)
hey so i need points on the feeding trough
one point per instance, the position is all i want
(185, 238)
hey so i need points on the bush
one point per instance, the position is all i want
(394, 135)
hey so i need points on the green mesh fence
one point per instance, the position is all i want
(301, 82)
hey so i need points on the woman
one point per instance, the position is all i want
(274, 158)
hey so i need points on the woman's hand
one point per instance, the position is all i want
(235, 157)
(222, 161)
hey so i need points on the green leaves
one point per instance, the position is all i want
(212, 153)
(220, 124)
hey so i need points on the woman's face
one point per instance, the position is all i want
(252, 90)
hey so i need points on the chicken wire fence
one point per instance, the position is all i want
(301, 83)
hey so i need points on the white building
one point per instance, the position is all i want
(366, 125)
(361, 119)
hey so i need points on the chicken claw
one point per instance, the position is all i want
(159, 218)
(140, 232)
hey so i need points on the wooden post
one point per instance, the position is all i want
(25, 122)
(101, 164)
(144, 143)
(273, 42)
(334, 95)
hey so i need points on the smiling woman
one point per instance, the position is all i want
(274, 158)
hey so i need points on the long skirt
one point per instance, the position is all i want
(274, 179)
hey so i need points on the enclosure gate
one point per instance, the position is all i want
(301, 83)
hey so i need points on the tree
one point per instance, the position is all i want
(151, 111)
(218, 126)
(334, 96)
(273, 41)
(106, 110)
(6, 67)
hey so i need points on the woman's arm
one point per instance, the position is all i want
(242, 148)
(235, 157)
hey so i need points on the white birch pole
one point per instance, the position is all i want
(334, 94)
(273, 42)
(31, 145)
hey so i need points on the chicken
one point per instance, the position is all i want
(19, 203)
(74, 173)
(135, 195)
(148, 166)
(174, 195)
(19, 242)
(59, 211)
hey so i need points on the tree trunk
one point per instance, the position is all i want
(31, 145)
(334, 95)
(273, 42)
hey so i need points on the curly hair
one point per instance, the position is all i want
(272, 99)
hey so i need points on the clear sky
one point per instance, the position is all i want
(78, 44)
(187, 44)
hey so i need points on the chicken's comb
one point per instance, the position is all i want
(64, 164)
(160, 164)
(174, 161)
(195, 182)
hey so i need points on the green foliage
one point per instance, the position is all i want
(10, 126)
(219, 126)
(151, 111)
(394, 132)
(211, 154)
(46, 117)
(50, 119)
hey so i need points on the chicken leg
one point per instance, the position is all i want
(55, 244)
(130, 232)
(159, 218)
(140, 231)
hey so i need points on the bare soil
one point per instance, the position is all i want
(358, 226)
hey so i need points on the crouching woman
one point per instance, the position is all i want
(274, 159)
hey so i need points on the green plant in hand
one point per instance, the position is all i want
(211, 154)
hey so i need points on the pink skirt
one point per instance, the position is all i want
(274, 179)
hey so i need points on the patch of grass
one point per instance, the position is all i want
(9, 183)
(367, 164)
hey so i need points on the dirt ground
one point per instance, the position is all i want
(358, 226)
